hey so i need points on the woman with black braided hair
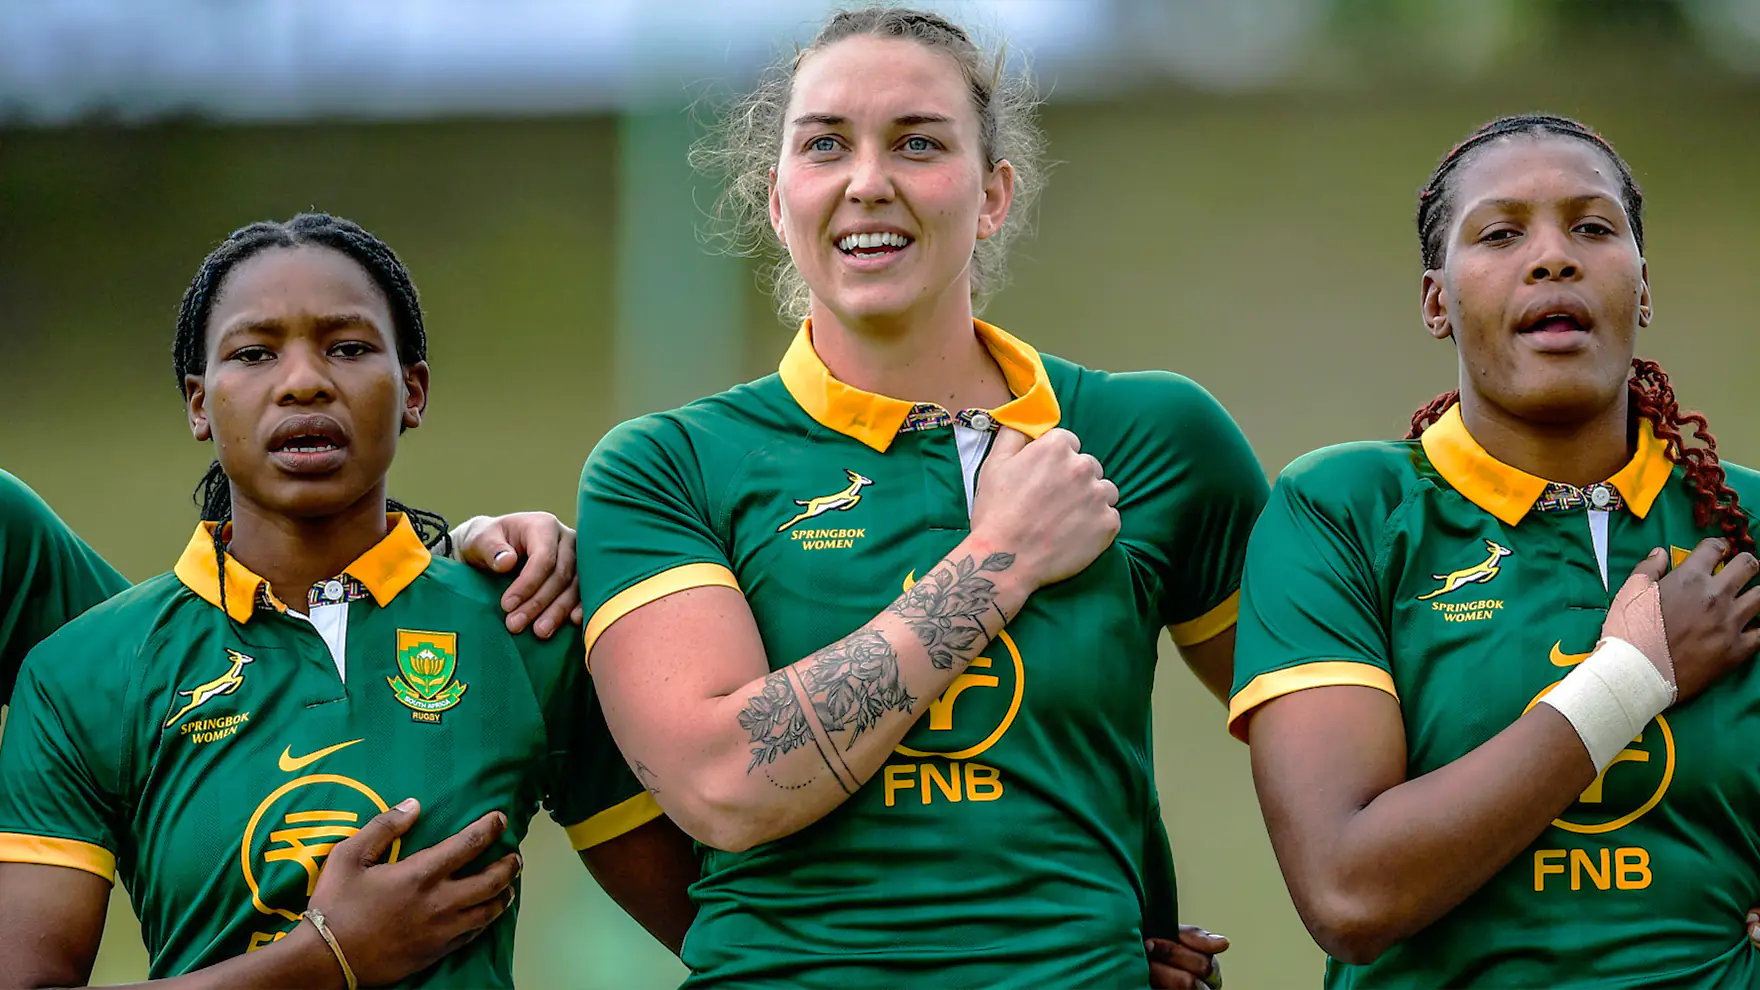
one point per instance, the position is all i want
(1455, 697)
(229, 737)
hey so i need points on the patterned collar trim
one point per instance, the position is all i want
(1508, 493)
(876, 419)
(382, 572)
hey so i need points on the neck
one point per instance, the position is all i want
(934, 358)
(293, 553)
(1580, 453)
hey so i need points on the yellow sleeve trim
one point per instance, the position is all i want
(44, 850)
(1209, 625)
(1277, 683)
(653, 589)
(614, 821)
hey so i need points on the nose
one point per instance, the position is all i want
(1555, 258)
(870, 179)
(305, 377)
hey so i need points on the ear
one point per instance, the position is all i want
(1645, 313)
(776, 210)
(415, 394)
(1435, 306)
(195, 401)
(998, 196)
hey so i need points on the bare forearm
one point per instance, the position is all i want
(782, 751)
(299, 960)
(1423, 846)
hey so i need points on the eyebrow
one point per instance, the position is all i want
(902, 120)
(327, 323)
(1517, 204)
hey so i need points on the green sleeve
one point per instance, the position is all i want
(47, 576)
(589, 790)
(1312, 600)
(646, 530)
(1191, 488)
(61, 761)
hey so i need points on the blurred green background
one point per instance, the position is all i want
(1260, 243)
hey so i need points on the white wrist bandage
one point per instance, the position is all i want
(1610, 697)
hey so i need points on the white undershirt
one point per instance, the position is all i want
(1598, 534)
(973, 445)
(331, 622)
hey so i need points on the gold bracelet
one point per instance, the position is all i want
(316, 917)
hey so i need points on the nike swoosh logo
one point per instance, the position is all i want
(1560, 658)
(289, 763)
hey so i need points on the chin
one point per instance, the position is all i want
(313, 498)
(1562, 396)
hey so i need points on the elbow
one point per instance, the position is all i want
(1352, 928)
(723, 818)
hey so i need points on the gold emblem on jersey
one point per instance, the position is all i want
(428, 661)
(1481, 573)
(293, 831)
(840, 501)
(1641, 771)
(205, 692)
(963, 723)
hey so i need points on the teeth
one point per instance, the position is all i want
(874, 240)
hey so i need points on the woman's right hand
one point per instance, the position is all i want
(1701, 614)
(394, 919)
(1046, 502)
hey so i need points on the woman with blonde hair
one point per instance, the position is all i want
(918, 514)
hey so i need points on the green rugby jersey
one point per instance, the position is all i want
(1010, 839)
(47, 576)
(213, 759)
(1466, 589)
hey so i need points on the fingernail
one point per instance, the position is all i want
(501, 818)
(504, 553)
(545, 627)
(408, 804)
(519, 866)
(1214, 935)
(508, 602)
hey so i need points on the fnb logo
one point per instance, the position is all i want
(969, 717)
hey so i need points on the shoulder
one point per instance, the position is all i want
(1165, 396)
(1745, 482)
(477, 587)
(472, 600)
(116, 634)
(23, 511)
(760, 406)
(1347, 472)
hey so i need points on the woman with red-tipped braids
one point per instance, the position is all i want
(1486, 756)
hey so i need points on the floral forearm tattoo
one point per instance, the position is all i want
(947, 608)
(852, 684)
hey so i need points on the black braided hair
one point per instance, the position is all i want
(189, 351)
(1436, 199)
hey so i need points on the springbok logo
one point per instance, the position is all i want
(225, 684)
(841, 501)
(1480, 573)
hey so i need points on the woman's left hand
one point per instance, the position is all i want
(1188, 963)
(548, 588)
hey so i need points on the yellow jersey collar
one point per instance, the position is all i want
(390, 566)
(876, 419)
(1508, 493)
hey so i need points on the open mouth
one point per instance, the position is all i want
(1555, 323)
(876, 244)
(309, 444)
